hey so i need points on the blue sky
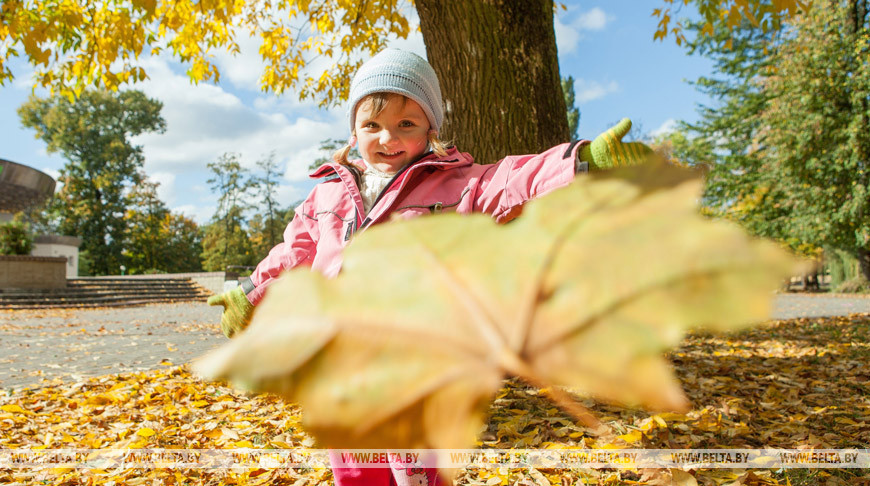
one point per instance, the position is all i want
(607, 47)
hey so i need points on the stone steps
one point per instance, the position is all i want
(105, 292)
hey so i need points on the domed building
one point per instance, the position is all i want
(53, 258)
(21, 187)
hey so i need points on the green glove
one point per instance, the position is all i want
(237, 310)
(608, 151)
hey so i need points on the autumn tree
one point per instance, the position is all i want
(144, 216)
(816, 127)
(725, 137)
(259, 231)
(157, 239)
(765, 15)
(266, 227)
(226, 241)
(183, 240)
(327, 148)
(496, 59)
(787, 141)
(266, 186)
(93, 134)
(573, 112)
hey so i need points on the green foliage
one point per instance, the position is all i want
(271, 226)
(258, 228)
(44, 218)
(226, 241)
(679, 148)
(329, 147)
(857, 285)
(86, 264)
(789, 139)
(142, 242)
(15, 238)
(817, 126)
(763, 15)
(93, 134)
(183, 240)
(842, 266)
(573, 111)
(156, 239)
(726, 137)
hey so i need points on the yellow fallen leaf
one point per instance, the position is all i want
(12, 408)
(199, 403)
(243, 444)
(229, 434)
(145, 432)
(682, 478)
(632, 437)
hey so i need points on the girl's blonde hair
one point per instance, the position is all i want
(379, 102)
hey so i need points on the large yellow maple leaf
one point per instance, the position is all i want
(405, 348)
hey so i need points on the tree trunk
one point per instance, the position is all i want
(497, 64)
(864, 263)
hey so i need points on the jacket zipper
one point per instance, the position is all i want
(352, 228)
(367, 221)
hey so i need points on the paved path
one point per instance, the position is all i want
(71, 344)
(790, 306)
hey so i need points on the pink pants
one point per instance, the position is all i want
(394, 475)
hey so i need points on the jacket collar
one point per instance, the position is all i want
(452, 160)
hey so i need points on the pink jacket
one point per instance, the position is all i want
(333, 212)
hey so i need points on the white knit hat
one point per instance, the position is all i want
(400, 72)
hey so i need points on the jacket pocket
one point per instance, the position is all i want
(437, 206)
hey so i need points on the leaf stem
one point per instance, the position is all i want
(512, 364)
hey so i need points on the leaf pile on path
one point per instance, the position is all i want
(790, 384)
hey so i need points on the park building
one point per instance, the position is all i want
(53, 258)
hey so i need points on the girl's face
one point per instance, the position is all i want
(396, 136)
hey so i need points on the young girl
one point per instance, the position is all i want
(406, 171)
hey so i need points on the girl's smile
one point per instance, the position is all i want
(394, 137)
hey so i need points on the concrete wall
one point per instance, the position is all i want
(59, 246)
(30, 272)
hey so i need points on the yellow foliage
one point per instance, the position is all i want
(730, 13)
(74, 44)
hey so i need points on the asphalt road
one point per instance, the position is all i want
(70, 345)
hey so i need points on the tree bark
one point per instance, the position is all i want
(498, 67)
(863, 256)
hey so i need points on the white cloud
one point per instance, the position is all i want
(166, 189)
(288, 194)
(204, 121)
(569, 33)
(244, 69)
(592, 90)
(54, 173)
(667, 126)
(200, 214)
(594, 19)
